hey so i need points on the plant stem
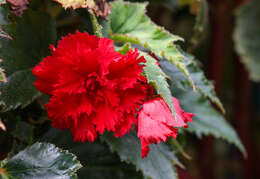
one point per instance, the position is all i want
(95, 25)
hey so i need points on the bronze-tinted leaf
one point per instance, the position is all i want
(100, 7)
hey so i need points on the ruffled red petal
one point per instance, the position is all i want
(156, 122)
(84, 130)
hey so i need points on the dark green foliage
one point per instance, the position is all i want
(31, 35)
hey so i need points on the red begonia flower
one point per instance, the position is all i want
(156, 122)
(93, 88)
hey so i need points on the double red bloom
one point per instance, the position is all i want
(93, 88)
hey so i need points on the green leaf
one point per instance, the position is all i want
(156, 76)
(98, 161)
(204, 86)
(128, 23)
(158, 164)
(31, 35)
(206, 120)
(42, 160)
(19, 90)
(246, 36)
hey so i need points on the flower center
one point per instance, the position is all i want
(92, 83)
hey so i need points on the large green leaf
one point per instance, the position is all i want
(247, 35)
(128, 23)
(204, 86)
(206, 120)
(158, 164)
(42, 160)
(96, 157)
(31, 35)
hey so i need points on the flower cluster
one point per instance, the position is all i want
(93, 88)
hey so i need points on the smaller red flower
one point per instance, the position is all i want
(156, 122)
